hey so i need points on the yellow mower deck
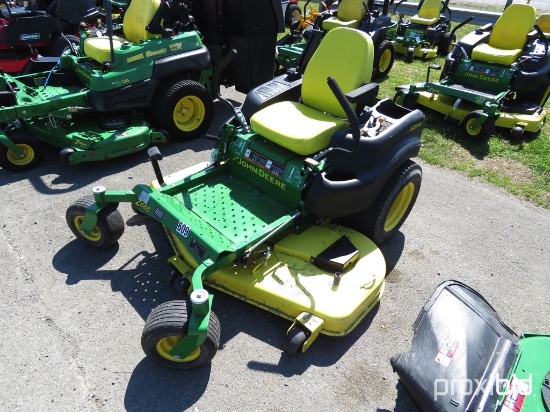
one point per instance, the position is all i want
(445, 105)
(287, 282)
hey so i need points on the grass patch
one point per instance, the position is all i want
(521, 167)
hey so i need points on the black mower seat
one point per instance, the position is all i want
(428, 14)
(508, 36)
(138, 15)
(306, 127)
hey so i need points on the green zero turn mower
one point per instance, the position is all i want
(97, 102)
(426, 34)
(464, 358)
(300, 176)
(357, 14)
(498, 75)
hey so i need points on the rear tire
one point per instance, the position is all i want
(446, 44)
(292, 13)
(167, 325)
(384, 57)
(32, 153)
(184, 108)
(60, 46)
(391, 207)
(108, 229)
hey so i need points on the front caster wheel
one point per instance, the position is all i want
(484, 131)
(391, 207)
(108, 229)
(32, 153)
(167, 325)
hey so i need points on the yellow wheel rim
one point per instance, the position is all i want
(165, 345)
(399, 207)
(385, 60)
(28, 155)
(471, 131)
(94, 236)
(189, 113)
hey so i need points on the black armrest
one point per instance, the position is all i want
(363, 94)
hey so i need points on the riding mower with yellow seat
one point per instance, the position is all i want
(304, 180)
(496, 76)
(426, 34)
(96, 102)
(356, 14)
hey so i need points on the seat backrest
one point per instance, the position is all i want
(430, 9)
(138, 15)
(543, 21)
(351, 10)
(345, 54)
(511, 29)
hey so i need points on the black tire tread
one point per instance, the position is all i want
(161, 111)
(109, 221)
(171, 318)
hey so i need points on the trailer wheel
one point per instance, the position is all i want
(292, 13)
(391, 207)
(295, 340)
(184, 108)
(384, 57)
(59, 45)
(480, 132)
(108, 229)
(32, 153)
(167, 325)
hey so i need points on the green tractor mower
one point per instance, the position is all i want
(498, 75)
(97, 102)
(356, 14)
(304, 180)
(426, 34)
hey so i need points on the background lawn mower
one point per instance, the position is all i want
(464, 358)
(94, 102)
(495, 76)
(357, 14)
(426, 34)
(281, 216)
(32, 30)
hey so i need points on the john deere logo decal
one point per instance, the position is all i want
(30, 36)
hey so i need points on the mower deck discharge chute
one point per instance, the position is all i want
(496, 76)
(97, 103)
(287, 214)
